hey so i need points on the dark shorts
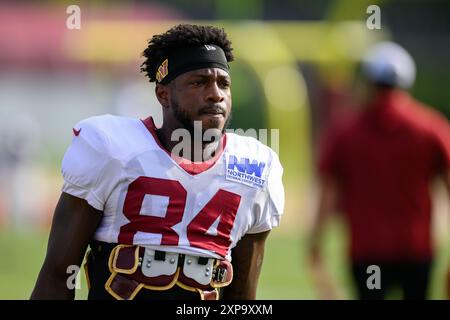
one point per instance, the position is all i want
(98, 273)
(411, 277)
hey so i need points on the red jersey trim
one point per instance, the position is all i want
(190, 167)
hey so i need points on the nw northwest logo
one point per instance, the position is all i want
(245, 171)
(76, 132)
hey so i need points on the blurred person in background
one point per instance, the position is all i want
(20, 137)
(162, 223)
(376, 168)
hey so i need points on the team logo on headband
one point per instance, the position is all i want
(163, 70)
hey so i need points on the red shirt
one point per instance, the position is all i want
(384, 160)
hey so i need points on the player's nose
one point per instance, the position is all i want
(214, 93)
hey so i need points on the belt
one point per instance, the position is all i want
(134, 267)
(105, 248)
(100, 247)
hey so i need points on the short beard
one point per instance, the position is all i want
(187, 123)
(182, 117)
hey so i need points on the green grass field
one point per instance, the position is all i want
(285, 273)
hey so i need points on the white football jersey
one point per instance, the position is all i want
(149, 198)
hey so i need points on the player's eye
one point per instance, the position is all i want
(197, 82)
(225, 84)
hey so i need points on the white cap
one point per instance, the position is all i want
(390, 64)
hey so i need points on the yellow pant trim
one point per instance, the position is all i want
(86, 270)
(115, 256)
(114, 294)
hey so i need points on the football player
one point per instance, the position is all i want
(377, 168)
(164, 222)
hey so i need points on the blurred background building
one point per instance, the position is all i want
(295, 65)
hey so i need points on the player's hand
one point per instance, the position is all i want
(325, 287)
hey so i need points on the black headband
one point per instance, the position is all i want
(191, 58)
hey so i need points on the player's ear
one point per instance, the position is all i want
(162, 94)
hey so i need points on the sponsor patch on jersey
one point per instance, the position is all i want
(245, 170)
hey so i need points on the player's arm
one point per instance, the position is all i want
(328, 194)
(247, 258)
(446, 177)
(73, 226)
(327, 203)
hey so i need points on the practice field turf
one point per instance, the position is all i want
(285, 272)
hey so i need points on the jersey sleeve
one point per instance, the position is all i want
(269, 205)
(87, 169)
